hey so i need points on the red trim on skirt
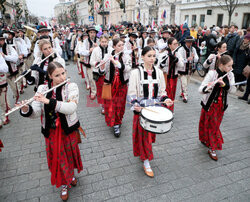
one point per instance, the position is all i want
(142, 140)
(63, 156)
(99, 85)
(115, 108)
(1, 145)
(171, 90)
(209, 126)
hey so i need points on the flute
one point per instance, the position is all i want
(216, 81)
(32, 99)
(20, 77)
(108, 59)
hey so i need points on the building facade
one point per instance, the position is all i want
(82, 11)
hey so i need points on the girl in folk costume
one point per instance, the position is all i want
(3, 91)
(146, 85)
(172, 63)
(132, 49)
(117, 72)
(143, 39)
(212, 59)
(86, 50)
(214, 103)
(39, 74)
(97, 57)
(59, 126)
(190, 57)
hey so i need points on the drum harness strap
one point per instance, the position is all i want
(150, 82)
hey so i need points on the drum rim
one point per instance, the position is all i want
(167, 121)
(158, 132)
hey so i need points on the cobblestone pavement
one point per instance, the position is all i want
(183, 169)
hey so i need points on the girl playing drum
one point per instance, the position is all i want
(214, 103)
(142, 92)
(59, 126)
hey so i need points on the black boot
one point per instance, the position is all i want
(243, 98)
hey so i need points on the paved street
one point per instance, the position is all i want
(183, 169)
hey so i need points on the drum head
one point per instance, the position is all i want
(157, 114)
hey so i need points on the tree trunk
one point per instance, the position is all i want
(229, 18)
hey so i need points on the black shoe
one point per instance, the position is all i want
(185, 100)
(117, 131)
(248, 102)
(242, 98)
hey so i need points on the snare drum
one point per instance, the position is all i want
(156, 119)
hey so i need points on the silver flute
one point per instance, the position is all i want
(108, 59)
(32, 99)
(217, 80)
(20, 77)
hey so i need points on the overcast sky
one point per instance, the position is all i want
(42, 7)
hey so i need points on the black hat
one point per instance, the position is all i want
(22, 30)
(133, 34)
(123, 36)
(1, 36)
(152, 31)
(43, 28)
(91, 28)
(189, 39)
(79, 29)
(166, 31)
(11, 32)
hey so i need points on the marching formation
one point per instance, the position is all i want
(137, 67)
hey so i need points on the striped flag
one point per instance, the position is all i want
(138, 15)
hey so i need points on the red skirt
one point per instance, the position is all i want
(171, 90)
(115, 108)
(99, 85)
(142, 141)
(209, 126)
(1, 145)
(63, 156)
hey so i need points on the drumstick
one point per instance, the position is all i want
(165, 102)
(145, 108)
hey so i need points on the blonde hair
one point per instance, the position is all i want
(104, 36)
(43, 42)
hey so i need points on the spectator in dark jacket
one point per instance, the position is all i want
(185, 34)
(231, 40)
(211, 42)
(178, 33)
(241, 58)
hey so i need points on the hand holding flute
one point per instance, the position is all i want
(220, 80)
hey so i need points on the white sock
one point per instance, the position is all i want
(64, 187)
(146, 164)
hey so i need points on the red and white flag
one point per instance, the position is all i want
(107, 4)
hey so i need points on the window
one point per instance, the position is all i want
(202, 20)
(186, 19)
(219, 20)
(193, 23)
(246, 21)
